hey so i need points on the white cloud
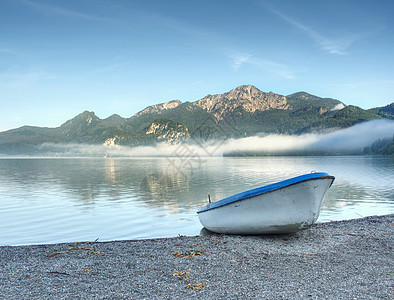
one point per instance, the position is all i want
(274, 67)
(240, 59)
(109, 68)
(56, 10)
(338, 45)
(21, 78)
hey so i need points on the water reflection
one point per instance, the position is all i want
(136, 198)
(153, 182)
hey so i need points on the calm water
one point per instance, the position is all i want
(81, 199)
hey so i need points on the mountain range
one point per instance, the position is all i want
(242, 112)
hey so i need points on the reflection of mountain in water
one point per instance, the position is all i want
(153, 184)
(163, 185)
(88, 181)
(163, 189)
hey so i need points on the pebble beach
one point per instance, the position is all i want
(350, 259)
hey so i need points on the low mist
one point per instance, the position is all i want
(350, 140)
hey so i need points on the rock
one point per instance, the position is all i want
(246, 97)
(158, 108)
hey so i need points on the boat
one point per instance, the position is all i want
(283, 207)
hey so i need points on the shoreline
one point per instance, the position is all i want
(338, 259)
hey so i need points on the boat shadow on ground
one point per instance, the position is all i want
(284, 236)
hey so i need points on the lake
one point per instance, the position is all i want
(51, 200)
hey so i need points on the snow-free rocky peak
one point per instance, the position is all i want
(246, 97)
(159, 108)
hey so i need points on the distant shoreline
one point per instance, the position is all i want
(246, 154)
(354, 256)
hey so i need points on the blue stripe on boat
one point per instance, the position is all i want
(263, 189)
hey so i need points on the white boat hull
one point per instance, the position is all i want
(283, 210)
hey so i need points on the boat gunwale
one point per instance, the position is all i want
(264, 190)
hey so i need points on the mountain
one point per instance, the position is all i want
(243, 98)
(27, 139)
(158, 108)
(385, 112)
(168, 130)
(243, 111)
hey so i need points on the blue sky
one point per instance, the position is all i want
(59, 58)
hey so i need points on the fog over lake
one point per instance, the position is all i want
(348, 140)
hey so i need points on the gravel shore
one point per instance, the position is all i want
(337, 260)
